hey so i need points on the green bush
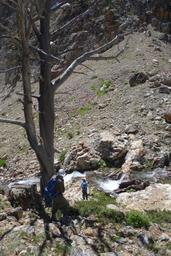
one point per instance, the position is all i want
(70, 135)
(97, 206)
(87, 208)
(168, 245)
(137, 219)
(102, 164)
(114, 216)
(62, 249)
(2, 163)
(159, 216)
(62, 155)
(85, 109)
(103, 88)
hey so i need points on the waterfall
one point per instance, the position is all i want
(110, 185)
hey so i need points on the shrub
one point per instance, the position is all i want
(168, 245)
(137, 219)
(159, 216)
(2, 163)
(114, 216)
(87, 208)
(102, 164)
(97, 207)
(62, 249)
(62, 155)
(70, 135)
(85, 109)
(103, 88)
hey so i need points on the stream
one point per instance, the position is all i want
(105, 184)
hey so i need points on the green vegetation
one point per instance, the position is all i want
(4, 203)
(103, 88)
(97, 206)
(137, 219)
(71, 98)
(148, 165)
(2, 163)
(153, 247)
(85, 109)
(70, 135)
(159, 216)
(168, 245)
(102, 164)
(61, 249)
(62, 155)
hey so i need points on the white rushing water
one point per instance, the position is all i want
(29, 181)
(109, 185)
(74, 175)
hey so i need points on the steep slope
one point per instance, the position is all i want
(81, 108)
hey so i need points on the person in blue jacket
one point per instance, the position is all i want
(84, 187)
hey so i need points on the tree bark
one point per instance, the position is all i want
(46, 100)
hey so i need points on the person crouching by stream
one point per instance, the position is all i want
(84, 187)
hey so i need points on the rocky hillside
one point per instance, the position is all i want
(110, 120)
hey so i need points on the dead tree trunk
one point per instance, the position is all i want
(46, 100)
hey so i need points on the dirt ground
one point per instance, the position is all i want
(80, 109)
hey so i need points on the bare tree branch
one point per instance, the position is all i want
(87, 67)
(57, 82)
(51, 56)
(12, 121)
(10, 37)
(81, 73)
(100, 57)
(75, 19)
(9, 69)
(4, 2)
(33, 96)
(5, 28)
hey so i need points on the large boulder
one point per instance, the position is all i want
(154, 197)
(111, 150)
(134, 157)
(88, 155)
(82, 157)
(24, 196)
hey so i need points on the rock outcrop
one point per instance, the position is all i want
(154, 197)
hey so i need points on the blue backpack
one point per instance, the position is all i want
(84, 185)
(50, 191)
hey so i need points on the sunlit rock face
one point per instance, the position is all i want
(154, 197)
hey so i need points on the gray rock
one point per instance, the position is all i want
(16, 212)
(24, 196)
(164, 89)
(110, 149)
(164, 238)
(145, 239)
(133, 128)
(76, 251)
(155, 22)
(138, 78)
(165, 27)
(108, 254)
(163, 37)
(3, 216)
